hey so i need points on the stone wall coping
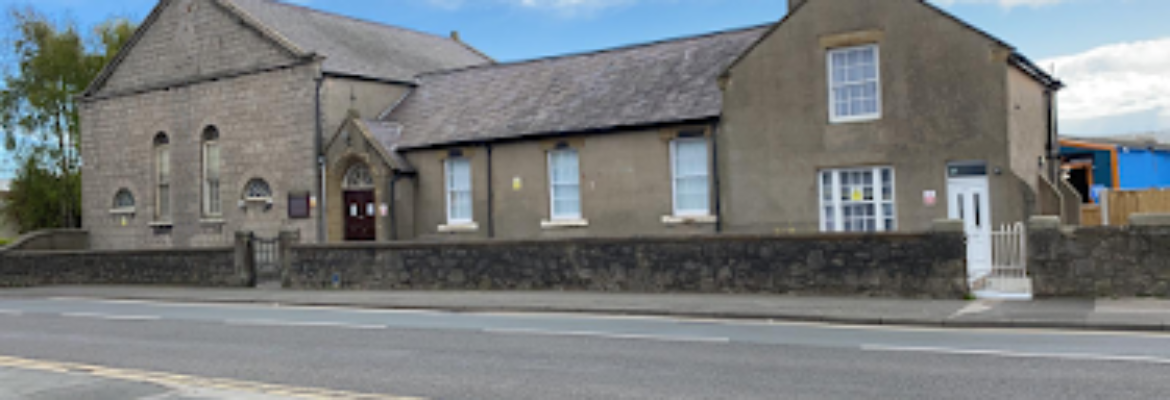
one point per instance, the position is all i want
(615, 241)
(948, 225)
(1044, 222)
(1150, 219)
(51, 253)
(33, 236)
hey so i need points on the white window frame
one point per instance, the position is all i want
(448, 189)
(674, 177)
(838, 205)
(212, 197)
(554, 215)
(257, 182)
(877, 64)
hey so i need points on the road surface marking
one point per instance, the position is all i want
(300, 324)
(1013, 354)
(186, 381)
(12, 313)
(112, 317)
(609, 335)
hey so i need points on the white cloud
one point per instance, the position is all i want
(1116, 80)
(1007, 4)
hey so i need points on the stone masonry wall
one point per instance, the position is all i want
(203, 268)
(918, 266)
(1099, 261)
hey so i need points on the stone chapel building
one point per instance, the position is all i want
(845, 116)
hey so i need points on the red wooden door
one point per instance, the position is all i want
(360, 217)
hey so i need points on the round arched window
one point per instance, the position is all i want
(257, 190)
(124, 200)
(359, 177)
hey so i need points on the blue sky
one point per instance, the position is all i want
(1115, 54)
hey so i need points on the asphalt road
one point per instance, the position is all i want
(503, 356)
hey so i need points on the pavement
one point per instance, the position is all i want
(1150, 315)
(248, 351)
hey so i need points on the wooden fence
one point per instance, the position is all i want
(1120, 205)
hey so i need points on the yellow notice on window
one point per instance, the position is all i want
(857, 195)
(517, 184)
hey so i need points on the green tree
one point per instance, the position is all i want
(53, 64)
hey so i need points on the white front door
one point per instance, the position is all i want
(969, 202)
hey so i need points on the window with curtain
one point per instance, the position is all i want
(162, 159)
(459, 201)
(691, 176)
(212, 203)
(564, 184)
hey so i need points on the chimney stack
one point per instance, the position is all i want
(455, 36)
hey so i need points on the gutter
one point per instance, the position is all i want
(715, 173)
(394, 205)
(322, 219)
(491, 220)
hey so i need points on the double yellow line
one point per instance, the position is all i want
(178, 381)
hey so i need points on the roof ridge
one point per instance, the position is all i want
(622, 48)
(376, 24)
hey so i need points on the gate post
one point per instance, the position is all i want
(245, 259)
(285, 254)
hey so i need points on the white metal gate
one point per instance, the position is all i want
(1008, 278)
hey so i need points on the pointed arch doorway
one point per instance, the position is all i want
(361, 215)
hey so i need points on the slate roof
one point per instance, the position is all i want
(361, 48)
(661, 82)
(388, 135)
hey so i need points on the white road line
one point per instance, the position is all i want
(609, 335)
(1013, 354)
(300, 324)
(112, 317)
(11, 313)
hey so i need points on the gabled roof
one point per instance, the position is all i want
(351, 47)
(1016, 59)
(641, 85)
(360, 48)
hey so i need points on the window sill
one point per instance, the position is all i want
(123, 211)
(162, 225)
(258, 200)
(564, 223)
(459, 228)
(212, 221)
(689, 220)
(855, 120)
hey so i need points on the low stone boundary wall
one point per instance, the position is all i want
(889, 265)
(1132, 261)
(204, 267)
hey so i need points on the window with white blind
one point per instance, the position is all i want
(212, 203)
(459, 202)
(691, 177)
(162, 167)
(564, 184)
(858, 200)
(854, 84)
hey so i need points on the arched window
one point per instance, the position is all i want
(123, 201)
(359, 178)
(162, 167)
(257, 190)
(212, 204)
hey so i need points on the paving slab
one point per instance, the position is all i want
(1127, 315)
